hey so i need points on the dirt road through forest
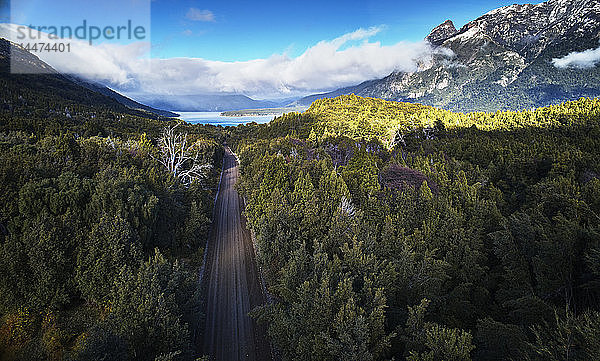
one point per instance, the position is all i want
(232, 280)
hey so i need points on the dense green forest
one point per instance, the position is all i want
(384, 230)
(389, 230)
(100, 240)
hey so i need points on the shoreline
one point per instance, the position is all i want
(265, 112)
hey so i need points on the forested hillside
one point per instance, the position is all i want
(397, 230)
(101, 236)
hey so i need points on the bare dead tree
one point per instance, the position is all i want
(346, 207)
(397, 137)
(179, 159)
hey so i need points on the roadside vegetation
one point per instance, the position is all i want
(398, 230)
(101, 236)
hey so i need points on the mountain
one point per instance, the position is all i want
(308, 100)
(130, 103)
(502, 60)
(47, 82)
(209, 102)
(441, 33)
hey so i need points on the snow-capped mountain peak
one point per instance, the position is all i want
(504, 59)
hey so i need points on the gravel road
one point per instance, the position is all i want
(233, 281)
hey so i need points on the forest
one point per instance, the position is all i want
(101, 239)
(383, 230)
(388, 230)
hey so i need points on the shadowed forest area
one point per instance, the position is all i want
(100, 242)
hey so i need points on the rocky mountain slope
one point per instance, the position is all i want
(502, 60)
(128, 102)
(41, 78)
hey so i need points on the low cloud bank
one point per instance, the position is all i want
(347, 60)
(581, 60)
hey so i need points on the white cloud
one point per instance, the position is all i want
(110, 63)
(195, 14)
(581, 60)
(326, 65)
(347, 60)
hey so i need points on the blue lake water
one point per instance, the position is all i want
(215, 118)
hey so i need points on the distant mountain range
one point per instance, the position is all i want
(42, 78)
(502, 60)
(505, 59)
(36, 69)
(208, 102)
(130, 103)
(308, 100)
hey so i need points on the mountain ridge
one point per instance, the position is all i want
(441, 33)
(502, 60)
(208, 102)
(27, 65)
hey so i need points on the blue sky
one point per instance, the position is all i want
(263, 49)
(244, 30)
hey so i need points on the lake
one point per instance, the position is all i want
(215, 118)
